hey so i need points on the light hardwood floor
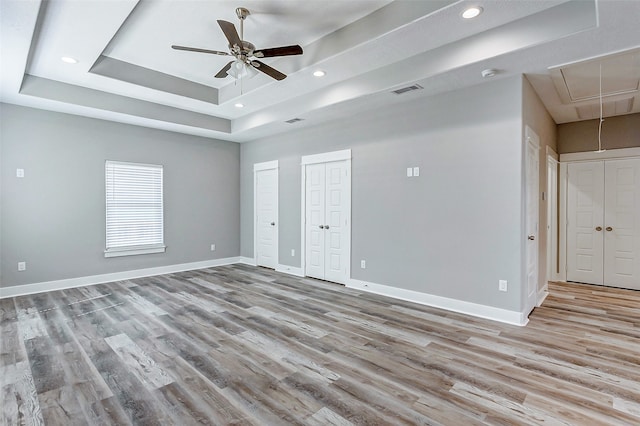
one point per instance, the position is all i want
(244, 345)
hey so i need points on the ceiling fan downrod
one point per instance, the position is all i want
(242, 13)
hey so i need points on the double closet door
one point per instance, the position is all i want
(603, 223)
(327, 215)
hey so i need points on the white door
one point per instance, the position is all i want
(266, 217)
(327, 207)
(314, 221)
(622, 223)
(532, 216)
(585, 218)
(336, 221)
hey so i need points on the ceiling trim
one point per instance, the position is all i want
(78, 95)
(140, 76)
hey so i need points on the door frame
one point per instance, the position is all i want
(259, 167)
(326, 157)
(553, 264)
(531, 299)
(565, 159)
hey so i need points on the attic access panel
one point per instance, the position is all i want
(581, 81)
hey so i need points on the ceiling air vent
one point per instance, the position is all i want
(294, 120)
(407, 89)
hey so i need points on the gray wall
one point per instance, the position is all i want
(54, 218)
(617, 132)
(455, 230)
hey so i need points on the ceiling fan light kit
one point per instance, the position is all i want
(244, 51)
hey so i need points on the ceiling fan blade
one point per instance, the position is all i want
(278, 51)
(196, 49)
(230, 33)
(223, 72)
(271, 72)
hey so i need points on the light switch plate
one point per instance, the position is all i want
(409, 172)
(416, 171)
(20, 173)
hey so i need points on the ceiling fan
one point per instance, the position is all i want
(244, 51)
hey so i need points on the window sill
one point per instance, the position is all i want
(134, 251)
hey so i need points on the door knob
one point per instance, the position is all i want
(598, 228)
(273, 224)
(531, 237)
(321, 226)
(326, 227)
(608, 228)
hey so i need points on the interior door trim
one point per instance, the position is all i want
(258, 167)
(326, 157)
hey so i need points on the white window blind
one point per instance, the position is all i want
(134, 209)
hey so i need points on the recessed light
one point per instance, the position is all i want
(69, 60)
(472, 12)
(239, 105)
(319, 73)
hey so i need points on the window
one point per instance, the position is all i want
(134, 209)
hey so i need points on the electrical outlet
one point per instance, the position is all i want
(213, 247)
(502, 285)
(363, 264)
(22, 266)
(20, 173)
(293, 252)
(416, 171)
(409, 171)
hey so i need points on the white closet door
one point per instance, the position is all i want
(315, 220)
(622, 224)
(336, 221)
(267, 216)
(585, 198)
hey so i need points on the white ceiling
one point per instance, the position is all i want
(127, 71)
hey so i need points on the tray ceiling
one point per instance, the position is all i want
(127, 72)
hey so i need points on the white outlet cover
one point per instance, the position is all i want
(416, 171)
(363, 264)
(20, 173)
(293, 252)
(22, 266)
(409, 171)
(213, 247)
(502, 285)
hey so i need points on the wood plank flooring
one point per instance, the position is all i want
(239, 345)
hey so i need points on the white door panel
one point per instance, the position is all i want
(266, 217)
(603, 233)
(327, 203)
(532, 215)
(622, 223)
(585, 193)
(335, 221)
(314, 228)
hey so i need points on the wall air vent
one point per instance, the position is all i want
(294, 120)
(407, 89)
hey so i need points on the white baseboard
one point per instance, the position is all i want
(542, 294)
(292, 270)
(482, 311)
(22, 290)
(468, 308)
(246, 260)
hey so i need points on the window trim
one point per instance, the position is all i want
(133, 250)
